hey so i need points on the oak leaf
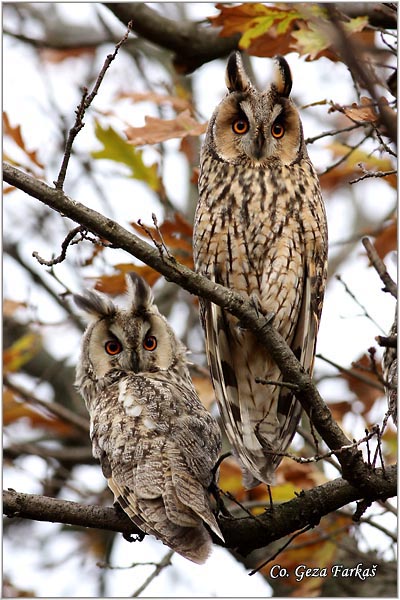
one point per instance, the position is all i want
(160, 130)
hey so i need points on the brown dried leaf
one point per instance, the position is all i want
(116, 284)
(362, 112)
(176, 234)
(386, 241)
(16, 135)
(340, 409)
(301, 476)
(14, 410)
(58, 55)
(367, 394)
(11, 306)
(349, 169)
(159, 130)
(8, 189)
(315, 549)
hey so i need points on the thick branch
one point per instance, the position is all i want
(351, 459)
(242, 534)
(192, 44)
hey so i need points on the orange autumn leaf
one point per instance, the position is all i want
(11, 306)
(160, 130)
(350, 168)
(302, 476)
(115, 284)
(386, 240)
(366, 392)
(14, 410)
(314, 549)
(176, 235)
(58, 55)
(16, 135)
(340, 409)
(365, 111)
(267, 30)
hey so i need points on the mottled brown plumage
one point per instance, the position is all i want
(156, 443)
(260, 228)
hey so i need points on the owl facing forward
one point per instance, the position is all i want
(156, 443)
(260, 229)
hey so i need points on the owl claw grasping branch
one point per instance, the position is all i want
(156, 443)
(260, 229)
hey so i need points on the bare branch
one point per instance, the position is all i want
(192, 44)
(351, 461)
(164, 562)
(64, 247)
(243, 534)
(55, 408)
(379, 267)
(84, 104)
(349, 52)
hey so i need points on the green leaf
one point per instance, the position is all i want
(117, 149)
(311, 40)
(262, 23)
(355, 25)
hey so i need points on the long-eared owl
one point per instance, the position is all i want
(156, 443)
(260, 229)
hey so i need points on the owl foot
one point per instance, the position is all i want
(215, 490)
(134, 537)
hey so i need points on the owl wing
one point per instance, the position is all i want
(153, 484)
(224, 354)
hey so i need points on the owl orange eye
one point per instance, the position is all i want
(150, 343)
(240, 126)
(277, 130)
(113, 347)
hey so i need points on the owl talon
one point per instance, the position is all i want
(134, 537)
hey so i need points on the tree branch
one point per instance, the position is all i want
(353, 467)
(242, 534)
(192, 44)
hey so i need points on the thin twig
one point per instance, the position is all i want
(285, 545)
(368, 174)
(164, 562)
(151, 236)
(154, 219)
(343, 158)
(356, 300)
(351, 373)
(311, 140)
(64, 247)
(379, 267)
(53, 407)
(84, 104)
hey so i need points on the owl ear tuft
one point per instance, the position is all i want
(139, 291)
(236, 78)
(95, 305)
(283, 77)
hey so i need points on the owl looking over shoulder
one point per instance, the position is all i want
(260, 229)
(156, 443)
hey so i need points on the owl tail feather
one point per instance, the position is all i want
(193, 543)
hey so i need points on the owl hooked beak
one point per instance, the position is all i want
(258, 148)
